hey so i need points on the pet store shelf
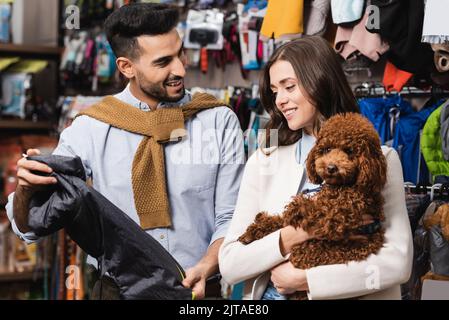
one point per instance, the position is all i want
(20, 276)
(30, 49)
(25, 124)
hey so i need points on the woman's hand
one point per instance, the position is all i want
(291, 236)
(287, 279)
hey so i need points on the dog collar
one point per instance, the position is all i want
(370, 228)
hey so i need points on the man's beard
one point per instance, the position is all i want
(158, 91)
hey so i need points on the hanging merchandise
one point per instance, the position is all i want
(243, 35)
(231, 44)
(407, 142)
(431, 144)
(416, 201)
(72, 59)
(400, 126)
(88, 61)
(255, 45)
(441, 57)
(384, 114)
(284, 20)
(239, 102)
(257, 120)
(441, 60)
(401, 25)
(254, 51)
(444, 122)
(436, 28)
(345, 12)
(220, 58)
(250, 134)
(315, 17)
(104, 65)
(204, 32)
(244, 101)
(72, 48)
(395, 79)
(354, 40)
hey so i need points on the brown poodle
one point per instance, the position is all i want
(348, 161)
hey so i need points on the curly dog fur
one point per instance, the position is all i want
(347, 159)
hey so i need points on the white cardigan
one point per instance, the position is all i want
(268, 184)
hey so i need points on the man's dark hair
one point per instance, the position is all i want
(131, 21)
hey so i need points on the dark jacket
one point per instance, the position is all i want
(135, 261)
(444, 119)
(401, 25)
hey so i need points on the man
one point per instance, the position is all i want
(202, 171)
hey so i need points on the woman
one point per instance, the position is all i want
(303, 84)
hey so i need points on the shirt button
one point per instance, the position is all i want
(162, 237)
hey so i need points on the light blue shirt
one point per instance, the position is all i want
(303, 147)
(203, 174)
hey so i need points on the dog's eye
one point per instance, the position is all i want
(325, 150)
(349, 151)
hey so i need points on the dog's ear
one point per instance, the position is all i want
(310, 165)
(372, 168)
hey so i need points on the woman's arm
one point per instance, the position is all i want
(391, 266)
(237, 261)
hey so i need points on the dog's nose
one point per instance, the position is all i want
(331, 168)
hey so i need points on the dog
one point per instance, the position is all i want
(348, 162)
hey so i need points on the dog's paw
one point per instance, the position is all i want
(263, 225)
(246, 238)
(261, 217)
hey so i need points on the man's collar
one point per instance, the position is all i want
(127, 97)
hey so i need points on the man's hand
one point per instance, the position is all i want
(287, 279)
(208, 266)
(31, 180)
(28, 184)
(196, 280)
